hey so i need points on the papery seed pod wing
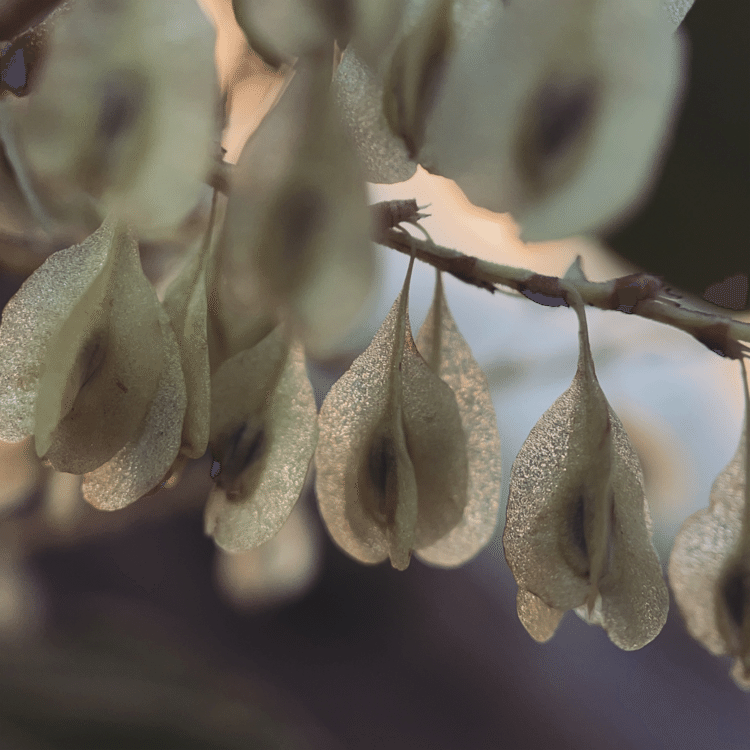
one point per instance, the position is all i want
(84, 352)
(677, 9)
(186, 305)
(124, 115)
(391, 459)
(709, 568)
(296, 237)
(448, 355)
(415, 71)
(577, 531)
(101, 370)
(263, 434)
(359, 97)
(145, 460)
(579, 92)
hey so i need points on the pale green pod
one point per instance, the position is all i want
(145, 460)
(186, 305)
(123, 117)
(263, 434)
(85, 352)
(295, 243)
(557, 110)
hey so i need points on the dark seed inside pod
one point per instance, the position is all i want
(577, 553)
(734, 592)
(244, 447)
(564, 112)
(382, 467)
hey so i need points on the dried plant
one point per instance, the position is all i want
(553, 110)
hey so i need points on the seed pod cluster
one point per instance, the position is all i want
(91, 365)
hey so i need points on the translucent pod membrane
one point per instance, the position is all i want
(263, 435)
(578, 532)
(446, 352)
(123, 116)
(394, 467)
(91, 368)
(556, 112)
(296, 238)
(709, 568)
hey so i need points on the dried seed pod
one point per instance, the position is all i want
(391, 460)
(82, 352)
(359, 97)
(187, 307)
(122, 117)
(559, 96)
(448, 355)
(415, 71)
(709, 568)
(578, 532)
(144, 461)
(263, 433)
(296, 239)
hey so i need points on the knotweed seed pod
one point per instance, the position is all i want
(578, 532)
(392, 456)
(709, 568)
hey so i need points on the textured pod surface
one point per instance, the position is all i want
(263, 434)
(580, 92)
(578, 532)
(709, 568)
(359, 96)
(391, 460)
(186, 305)
(447, 353)
(146, 459)
(85, 352)
(123, 117)
(296, 237)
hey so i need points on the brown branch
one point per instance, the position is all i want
(636, 294)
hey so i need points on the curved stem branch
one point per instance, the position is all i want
(636, 294)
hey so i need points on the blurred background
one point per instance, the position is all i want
(131, 630)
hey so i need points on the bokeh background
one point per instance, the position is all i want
(131, 631)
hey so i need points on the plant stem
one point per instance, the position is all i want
(636, 294)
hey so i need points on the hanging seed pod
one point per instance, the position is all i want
(186, 305)
(415, 72)
(296, 238)
(263, 433)
(122, 117)
(578, 532)
(82, 352)
(143, 462)
(448, 355)
(391, 460)
(569, 104)
(359, 97)
(709, 568)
